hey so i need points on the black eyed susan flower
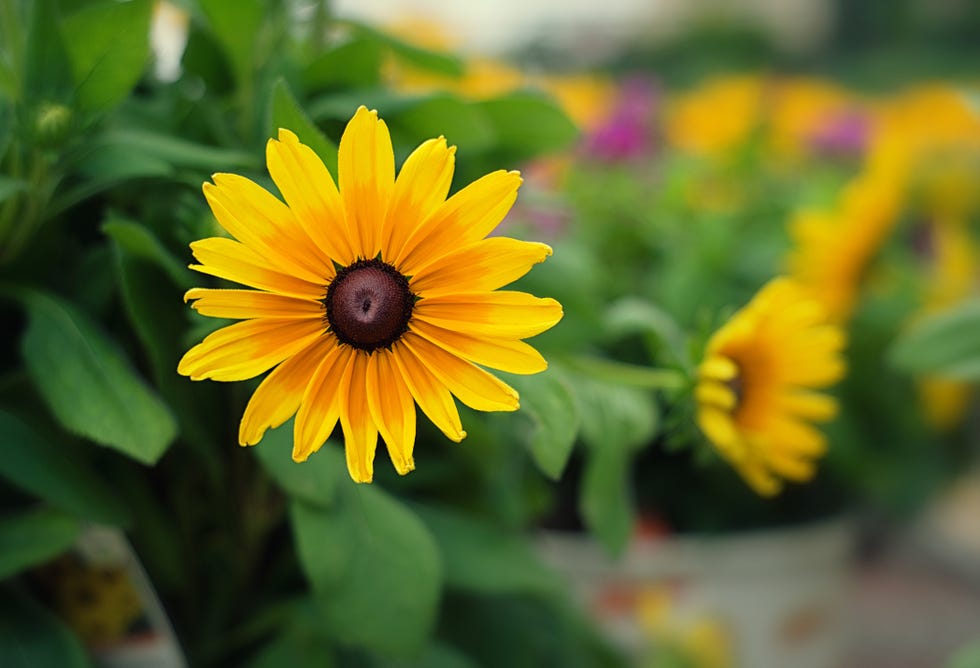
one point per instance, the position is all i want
(757, 386)
(368, 297)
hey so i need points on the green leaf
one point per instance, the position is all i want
(635, 315)
(356, 63)
(547, 402)
(461, 123)
(10, 187)
(443, 63)
(31, 636)
(286, 113)
(236, 25)
(317, 481)
(479, 557)
(374, 567)
(47, 70)
(108, 43)
(34, 537)
(55, 473)
(88, 383)
(945, 344)
(616, 421)
(528, 124)
(176, 151)
(140, 242)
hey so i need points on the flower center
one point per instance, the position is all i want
(369, 305)
(737, 386)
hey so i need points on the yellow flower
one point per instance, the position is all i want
(756, 386)
(369, 297)
(833, 249)
(716, 118)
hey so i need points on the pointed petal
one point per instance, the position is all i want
(465, 218)
(421, 186)
(718, 367)
(360, 432)
(809, 405)
(259, 220)
(309, 190)
(248, 348)
(320, 407)
(279, 395)
(510, 356)
(472, 385)
(500, 314)
(716, 394)
(430, 394)
(234, 261)
(392, 409)
(481, 267)
(367, 174)
(247, 304)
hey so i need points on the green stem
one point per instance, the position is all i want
(629, 374)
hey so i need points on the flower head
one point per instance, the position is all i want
(756, 386)
(368, 296)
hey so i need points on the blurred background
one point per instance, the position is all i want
(678, 156)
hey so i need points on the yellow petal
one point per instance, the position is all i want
(392, 409)
(279, 395)
(789, 466)
(718, 367)
(246, 304)
(320, 407)
(472, 385)
(809, 405)
(255, 217)
(367, 174)
(759, 479)
(360, 432)
(248, 348)
(421, 186)
(510, 356)
(429, 393)
(720, 429)
(500, 314)
(481, 267)
(233, 261)
(796, 436)
(716, 394)
(465, 218)
(309, 190)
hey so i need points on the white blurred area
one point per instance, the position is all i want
(496, 26)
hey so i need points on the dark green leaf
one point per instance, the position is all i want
(109, 44)
(32, 538)
(316, 481)
(945, 344)
(481, 558)
(286, 113)
(88, 383)
(548, 403)
(140, 242)
(32, 637)
(443, 63)
(356, 63)
(374, 567)
(176, 151)
(235, 25)
(10, 187)
(47, 70)
(55, 472)
(528, 124)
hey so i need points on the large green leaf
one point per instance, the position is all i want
(442, 114)
(945, 344)
(31, 636)
(317, 481)
(616, 421)
(88, 383)
(355, 63)
(108, 43)
(47, 70)
(236, 25)
(34, 537)
(55, 472)
(443, 63)
(528, 124)
(479, 557)
(140, 242)
(286, 113)
(548, 403)
(374, 567)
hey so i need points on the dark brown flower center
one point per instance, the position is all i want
(369, 305)
(737, 386)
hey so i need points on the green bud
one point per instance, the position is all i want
(52, 124)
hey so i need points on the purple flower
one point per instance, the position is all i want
(627, 133)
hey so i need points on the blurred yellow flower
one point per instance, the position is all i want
(369, 297)
(756, 386)
(832, 250)
(697, 640)
(717, 117)
(802, 108)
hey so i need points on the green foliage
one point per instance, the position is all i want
(945, 344)
(33, 537)
(32, 636)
